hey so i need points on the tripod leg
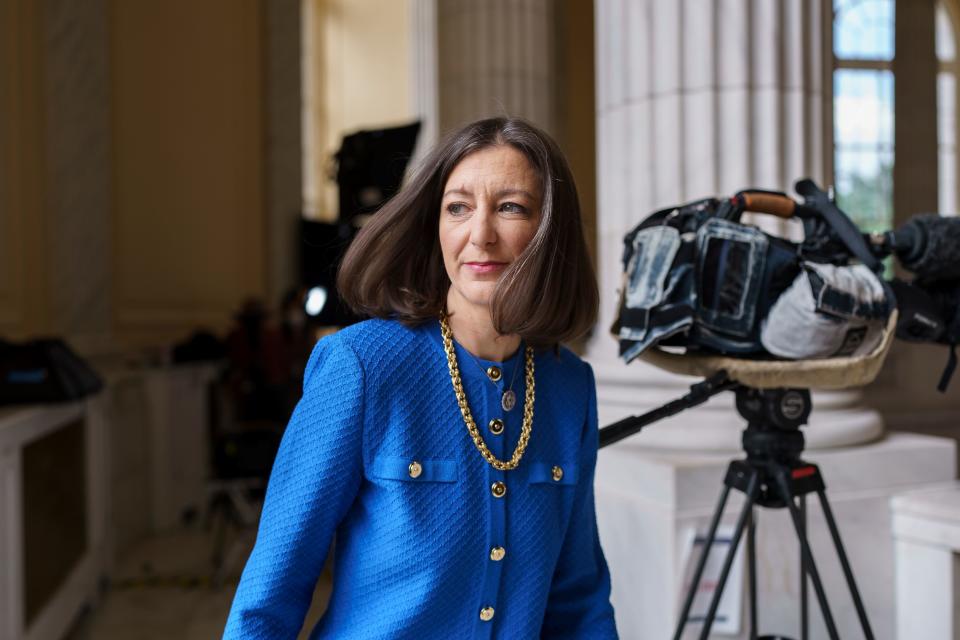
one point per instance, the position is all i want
(804, 605)
(847, 572)
(784, 485)
(752, 571)
(698, 573)
(751, 493)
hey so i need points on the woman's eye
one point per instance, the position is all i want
(513, 207)
(456, 208)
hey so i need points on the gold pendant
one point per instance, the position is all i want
(509, 400)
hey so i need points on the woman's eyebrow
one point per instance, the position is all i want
(513, 192)
(498, 194)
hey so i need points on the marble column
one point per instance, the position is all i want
(698, 98)
(284, 154)
(423, 74)
(495, 58)
(78, 180)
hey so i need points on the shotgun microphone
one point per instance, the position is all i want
(928, 245)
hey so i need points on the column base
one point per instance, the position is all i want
(838, 418)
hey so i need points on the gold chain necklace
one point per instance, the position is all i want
(525, 429)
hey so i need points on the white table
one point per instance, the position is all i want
(926, 530)
(75, 584)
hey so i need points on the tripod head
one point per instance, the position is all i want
(783, 409)
(774, 418)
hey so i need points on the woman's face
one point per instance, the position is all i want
(489, 213)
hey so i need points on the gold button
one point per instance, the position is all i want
(496, 426)
(415, 469)
(497, 553)
(557, 473)
(493, 373)
(498, 489)
(486, 614)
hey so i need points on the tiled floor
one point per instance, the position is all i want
(162, 589)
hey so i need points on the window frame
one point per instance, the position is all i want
(837, 63)
(952, 9)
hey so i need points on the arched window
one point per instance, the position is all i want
(863, 50)
(947, 88)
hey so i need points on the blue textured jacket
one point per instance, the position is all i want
(413, 555)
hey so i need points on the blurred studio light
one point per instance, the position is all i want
(316, 301)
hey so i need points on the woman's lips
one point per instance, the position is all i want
(485, 267)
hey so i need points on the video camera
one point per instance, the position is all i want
(699, 282)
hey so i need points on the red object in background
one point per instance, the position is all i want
(803, 472)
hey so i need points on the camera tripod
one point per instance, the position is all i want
(773, 476)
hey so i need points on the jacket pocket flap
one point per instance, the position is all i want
(413, 470)
(560, 473)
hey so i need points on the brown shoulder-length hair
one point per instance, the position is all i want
(394, 267)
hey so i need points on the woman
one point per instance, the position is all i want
(450, 443)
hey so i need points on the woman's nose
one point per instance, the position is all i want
(483, 230)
